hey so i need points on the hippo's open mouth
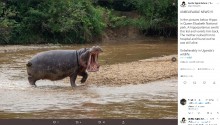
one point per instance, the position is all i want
(93, 65)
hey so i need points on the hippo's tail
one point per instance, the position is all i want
(28, 64)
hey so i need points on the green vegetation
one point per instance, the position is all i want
(158, 16)
(43, 21)
(79, 21)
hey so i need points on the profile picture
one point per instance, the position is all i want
(183, 4)
(183, 101)
(183, 120)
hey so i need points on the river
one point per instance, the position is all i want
(156, 99)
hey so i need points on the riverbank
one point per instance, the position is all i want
(110, 93)
(137, 72)
(121, 64)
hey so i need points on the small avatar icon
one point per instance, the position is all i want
(183, 4)
(183, 120)
(183, 101)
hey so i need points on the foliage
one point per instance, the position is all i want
(6, 22)
(114, 20)
(157, 13)
(66, 21)
(78, 21)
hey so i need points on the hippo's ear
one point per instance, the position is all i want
(99, 48)
(28, 64)
(90, 49)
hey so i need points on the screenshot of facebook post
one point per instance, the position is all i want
(109, 62)
(198, 63)
(89, 62)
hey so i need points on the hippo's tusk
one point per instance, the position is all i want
(89, 61)
(95, 58)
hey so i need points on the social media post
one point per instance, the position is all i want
(198, 68)
(198, 36)
(95, 62)
(196, 57)
(197, 110)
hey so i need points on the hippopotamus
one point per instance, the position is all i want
(58, 64)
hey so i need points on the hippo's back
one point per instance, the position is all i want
(53, 65)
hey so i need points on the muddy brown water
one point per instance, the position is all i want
(58, 100)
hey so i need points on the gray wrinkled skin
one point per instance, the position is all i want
(58, 64)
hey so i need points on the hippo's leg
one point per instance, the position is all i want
(84, 76)
(32, 80)
(73, 79)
